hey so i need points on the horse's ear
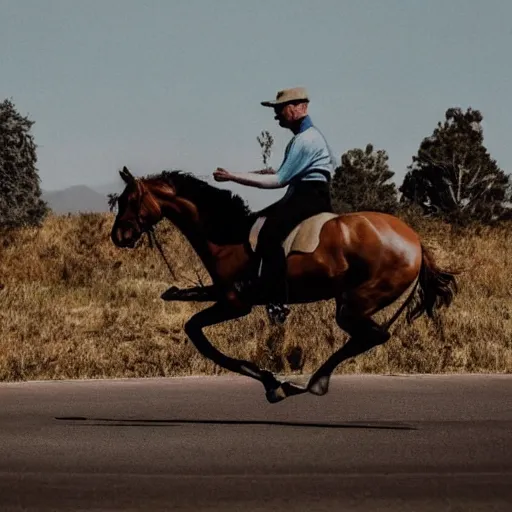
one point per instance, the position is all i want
(127, 175)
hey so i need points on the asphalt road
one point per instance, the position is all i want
(373, 443)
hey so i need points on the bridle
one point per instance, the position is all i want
(150, 229)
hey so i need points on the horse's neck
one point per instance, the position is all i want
(220, 261)
(198, 243)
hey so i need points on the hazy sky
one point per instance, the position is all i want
(160, 84)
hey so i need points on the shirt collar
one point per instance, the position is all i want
(305, 124)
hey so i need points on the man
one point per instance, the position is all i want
(306, 170)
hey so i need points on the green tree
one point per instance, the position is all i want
(361, 182)
(453, 176)
(20, 193)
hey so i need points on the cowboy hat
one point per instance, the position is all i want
(288, 96)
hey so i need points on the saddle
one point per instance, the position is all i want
(304, 238)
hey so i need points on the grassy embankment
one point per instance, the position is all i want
(74, 306)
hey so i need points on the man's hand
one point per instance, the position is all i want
(221, 174)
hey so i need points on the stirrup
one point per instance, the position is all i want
(244, 286)
(277, 313)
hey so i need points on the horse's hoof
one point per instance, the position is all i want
(285, 390)
(275, 395)
(291, 389)
(320, 386)
(170, 293)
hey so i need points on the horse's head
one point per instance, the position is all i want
(138, 211)
(188, 202)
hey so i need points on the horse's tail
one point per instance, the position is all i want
(437, 288)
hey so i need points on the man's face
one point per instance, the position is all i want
(289, 113)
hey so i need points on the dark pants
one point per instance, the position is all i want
(306, 199)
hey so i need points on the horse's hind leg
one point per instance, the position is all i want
(364, 333)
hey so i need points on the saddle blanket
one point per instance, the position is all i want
(305, 237)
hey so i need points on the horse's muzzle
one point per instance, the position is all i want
(125, 237)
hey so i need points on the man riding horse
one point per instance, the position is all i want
(306, 170)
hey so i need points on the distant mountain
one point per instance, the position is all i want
(79, 198)
(114, 187)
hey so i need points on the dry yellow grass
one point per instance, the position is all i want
(74, 306)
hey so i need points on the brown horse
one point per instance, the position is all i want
(365, 261)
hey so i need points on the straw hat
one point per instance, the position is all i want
(288, 96)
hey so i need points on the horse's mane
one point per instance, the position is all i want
(226, 215)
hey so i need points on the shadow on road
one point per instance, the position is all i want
(134, 422)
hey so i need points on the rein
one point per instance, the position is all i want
(153, 239)
(150, 230)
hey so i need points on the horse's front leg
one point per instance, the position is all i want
(218, 313)
(194, 294)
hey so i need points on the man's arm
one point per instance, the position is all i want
(264, 171)
(250, 179)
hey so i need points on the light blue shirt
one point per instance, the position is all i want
(307, 151)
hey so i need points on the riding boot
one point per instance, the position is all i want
(275, 286)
